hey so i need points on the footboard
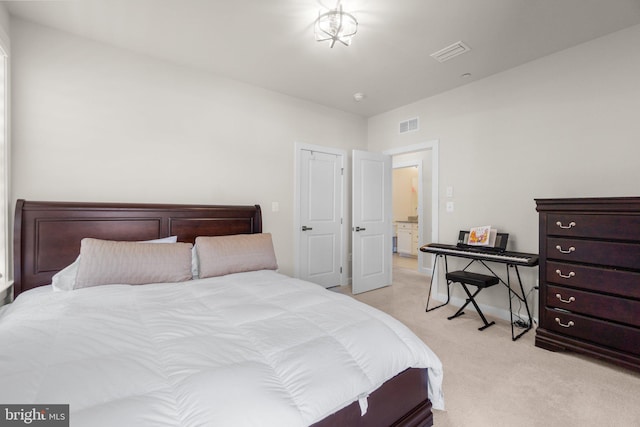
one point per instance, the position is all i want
(400, 402)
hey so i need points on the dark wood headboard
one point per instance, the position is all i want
(47, 235)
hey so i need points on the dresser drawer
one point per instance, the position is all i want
(619, 337)
(597, 305)
(614, 254)
(599, 226)
(409, 226)
(617, 282)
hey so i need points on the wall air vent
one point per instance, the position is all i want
(458, 48)
(409, 125)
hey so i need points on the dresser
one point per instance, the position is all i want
(590, 277)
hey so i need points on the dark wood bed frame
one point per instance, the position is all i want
(47, 238)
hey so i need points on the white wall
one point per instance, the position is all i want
(566, 125)
(4, 20)
(96, 123)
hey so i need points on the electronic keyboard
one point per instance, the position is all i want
(506, 257)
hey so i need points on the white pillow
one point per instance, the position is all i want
(195, 266)
(65, 279)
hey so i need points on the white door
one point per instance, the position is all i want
(371, 232)
(320, 217)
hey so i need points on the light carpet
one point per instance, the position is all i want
(490, 380)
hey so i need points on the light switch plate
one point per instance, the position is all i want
(449, 207)
(449, 191)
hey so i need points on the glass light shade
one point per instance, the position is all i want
(336, 26)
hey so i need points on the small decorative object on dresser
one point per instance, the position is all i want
(590, 277)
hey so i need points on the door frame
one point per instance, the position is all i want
(431, 145)
(342, 154)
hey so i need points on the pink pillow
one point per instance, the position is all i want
(104, 262)
(220, 255)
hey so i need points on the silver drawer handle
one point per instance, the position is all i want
(571, 224)
(568, 325)
(568, 251)
(566, 301)
(565, 276)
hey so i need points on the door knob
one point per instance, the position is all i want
(305, 228)
(360, 229)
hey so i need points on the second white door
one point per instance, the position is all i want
(371, 235)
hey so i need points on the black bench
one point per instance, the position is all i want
(480, 281)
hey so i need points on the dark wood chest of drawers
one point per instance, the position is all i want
(590, 277)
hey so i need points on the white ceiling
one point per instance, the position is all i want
(270, 43)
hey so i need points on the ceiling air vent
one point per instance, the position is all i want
(458, 48)
(409, 125)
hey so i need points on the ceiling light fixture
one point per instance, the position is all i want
(335, 25)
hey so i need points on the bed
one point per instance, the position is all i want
(250, 347)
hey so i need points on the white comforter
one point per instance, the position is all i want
(253, 348)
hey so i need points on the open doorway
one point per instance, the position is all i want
(407, 207)
(418, 192)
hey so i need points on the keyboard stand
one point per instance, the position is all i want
(446, 267)
(512, 293)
